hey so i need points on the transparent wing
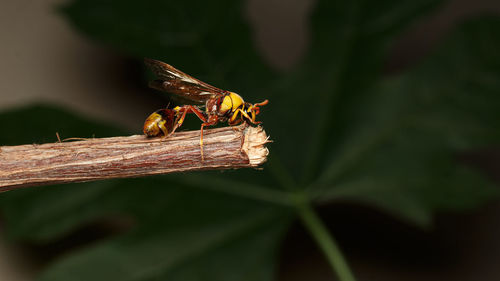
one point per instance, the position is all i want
(174, 81)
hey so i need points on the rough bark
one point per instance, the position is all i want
(130, 156)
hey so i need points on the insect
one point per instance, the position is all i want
(219, 105)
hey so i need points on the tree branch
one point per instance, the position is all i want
(131, 156)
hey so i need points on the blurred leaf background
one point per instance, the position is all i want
(344, 130)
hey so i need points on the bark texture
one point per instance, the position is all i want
(130, 156)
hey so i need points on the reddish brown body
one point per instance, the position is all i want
(220, 105)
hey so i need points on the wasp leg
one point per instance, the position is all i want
(212, 120)
(164, 129)
(189, 109)
(233, 118)
(206, 122)
(233, 125)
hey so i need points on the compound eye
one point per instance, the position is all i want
(226, 105)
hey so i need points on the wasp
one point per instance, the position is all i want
(214, 105)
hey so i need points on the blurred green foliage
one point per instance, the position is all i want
(341, 131)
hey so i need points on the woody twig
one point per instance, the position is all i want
(130, 156)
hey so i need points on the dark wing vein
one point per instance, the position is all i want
(174, 81)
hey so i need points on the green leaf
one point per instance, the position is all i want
(412, 127)
(349, 44)
(341, 131)
(209, 40)
(184, 247)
